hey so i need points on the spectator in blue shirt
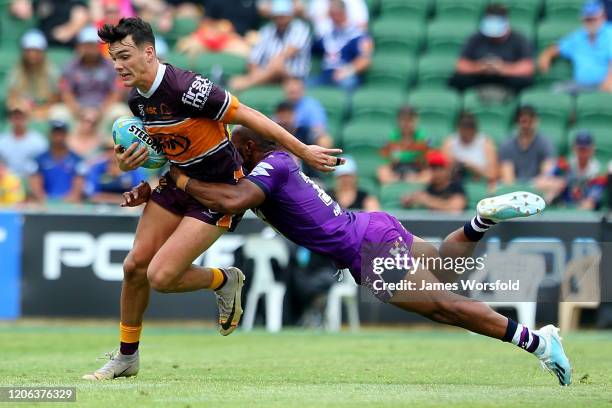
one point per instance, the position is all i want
(346, 50)
(105, 183)
(59, 171)
(589, 48)
(308, 111)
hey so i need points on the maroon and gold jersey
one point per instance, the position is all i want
(187, 114)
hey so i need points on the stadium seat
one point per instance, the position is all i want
(11, 28)
(444, 38)
(435, 70)
(437, 107)
(264, 99)
(403, 8)
(492, 117)
(563, 10)
(216, 63)
(525, 10)
(580, 289)
(498, 131)
(376, 103)
(391, 70)
(455, 9)
(550, 106)
(372, 133)
(398, 35)
(182, 27)
(60, 56)
(551, 31)
(593, 109)
(505, 265)
(556, 131)
(9, 56)
(476, 191)
(181, 60)
(505, 189)
(391, 194)
(561, 70)
(263, 251)
(368, 160)
(346, 292)
(334, 102)
(436, 130)
(525, 27)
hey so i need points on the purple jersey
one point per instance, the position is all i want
(301, 211)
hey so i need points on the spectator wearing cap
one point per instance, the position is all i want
(11, 187)
(346, 50)
(471, 150)
(528, 156)
(19, 145)
(496, 55)
(579, 182)
(346, 190)
(443, 193)
(89, 80)
(589, 49)
(283, 50)
(34, 78)
(308, 110)
(105, 183)
(405, 151)
(59, 171)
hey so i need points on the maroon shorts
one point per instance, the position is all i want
(169, 196)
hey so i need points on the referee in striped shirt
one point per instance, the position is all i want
(283, 50)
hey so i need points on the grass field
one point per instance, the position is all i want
(191, 367)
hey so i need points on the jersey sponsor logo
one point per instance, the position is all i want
(151, 110)
(198, 92)
(144, 136)
(173, 145)
(262, 169)
(141, 110)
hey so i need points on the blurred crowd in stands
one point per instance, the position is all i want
(62, 96)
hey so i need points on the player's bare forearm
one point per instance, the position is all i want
(269, 129)
(317, 157)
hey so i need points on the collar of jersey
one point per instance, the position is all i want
(161, 70)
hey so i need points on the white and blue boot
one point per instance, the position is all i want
(553, 357)
(512, 205)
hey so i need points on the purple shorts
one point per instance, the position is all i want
(175, 200)
(385, 237)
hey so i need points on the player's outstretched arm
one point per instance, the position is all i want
(225, 198)
(317, 157)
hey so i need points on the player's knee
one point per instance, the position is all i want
(135, 267)
(159, 281)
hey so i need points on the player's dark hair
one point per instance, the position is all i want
(467, 119)
(496, 10)
(140, 30)
(263, 145)
(528, 110)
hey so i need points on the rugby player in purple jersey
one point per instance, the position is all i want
(279, 193)
(187, 114)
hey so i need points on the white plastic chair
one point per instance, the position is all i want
(580, 289)
(529, 269)
(262, 251)
(343, 291)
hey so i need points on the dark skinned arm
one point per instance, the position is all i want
(225, 198)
